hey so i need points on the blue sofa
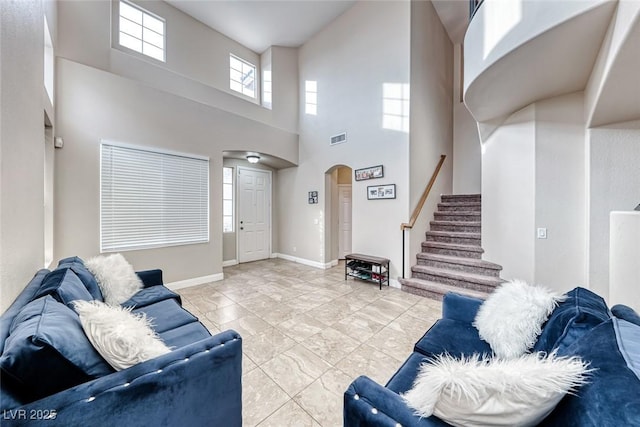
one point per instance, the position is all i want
(51, 375)
(582, 325)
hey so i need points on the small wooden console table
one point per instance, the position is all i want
(367, 268)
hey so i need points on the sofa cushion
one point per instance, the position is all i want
(77, 265)
(581, 311)
(47, 351)
(166, 315)
(184, 335)
(453, 337)
(65, 286)
(151, 295)
(612, 397)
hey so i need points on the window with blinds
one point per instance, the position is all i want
(151, 199)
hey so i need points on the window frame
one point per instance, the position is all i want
(244, 62)
(232, 199)
(118, 16)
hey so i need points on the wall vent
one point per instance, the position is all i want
(338, 139)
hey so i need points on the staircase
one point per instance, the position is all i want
(450, 258)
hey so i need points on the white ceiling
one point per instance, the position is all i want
(258, 24)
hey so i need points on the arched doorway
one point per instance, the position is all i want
(338, 212)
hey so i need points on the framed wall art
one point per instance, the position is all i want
(377, 192)
(313, 197)
(369, 173)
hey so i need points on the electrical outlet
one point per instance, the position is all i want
(542, 233)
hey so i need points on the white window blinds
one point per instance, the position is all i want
(151, 199)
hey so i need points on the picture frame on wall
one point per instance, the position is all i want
(371, 172)
(313, 197)
(379, 192)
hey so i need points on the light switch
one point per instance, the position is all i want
(542, 233)
(316, 221)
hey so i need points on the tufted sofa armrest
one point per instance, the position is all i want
(150, 277)
(196, 385)
(367, 403)
(460, 307)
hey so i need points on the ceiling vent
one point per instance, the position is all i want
(338, 139)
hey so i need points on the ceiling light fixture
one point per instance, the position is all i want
(253, 158)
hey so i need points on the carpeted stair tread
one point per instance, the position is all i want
(437, 290)
(459, 215)
(448, 198)
(452, 246)
(472, 262)
(459, 204)
(460, 234)
(458, 275)
(445, 223)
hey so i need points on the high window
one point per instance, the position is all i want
(151, 198)
(227, 200)
(141, 31)
(242, 76)
(311, 97)
(395, 106)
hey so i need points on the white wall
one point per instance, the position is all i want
(91, 109)
(22, 138)
(350, 59)
(431, 119)
(508, 196)
(560, 192)
(613, 174)
(467, 154)
(535, 175)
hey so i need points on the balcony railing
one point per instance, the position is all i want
(474, 5)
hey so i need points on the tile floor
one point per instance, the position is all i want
(307, 334)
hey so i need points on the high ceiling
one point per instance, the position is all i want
(258, 24)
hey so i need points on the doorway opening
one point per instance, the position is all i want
(338, 212)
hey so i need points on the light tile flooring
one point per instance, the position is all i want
(307, 334)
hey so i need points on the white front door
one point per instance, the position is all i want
(344, 220)
(254, 214)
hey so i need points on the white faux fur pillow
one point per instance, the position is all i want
(121, 337)
(511, 318)
(116, 278)
(494, 392)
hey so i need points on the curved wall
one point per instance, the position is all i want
(520, 52)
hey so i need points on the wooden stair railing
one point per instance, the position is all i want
(419, 206)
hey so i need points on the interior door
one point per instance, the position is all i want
(254, 214)
(344, 220)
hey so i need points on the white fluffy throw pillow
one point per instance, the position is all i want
(511, 318)
(117, 279)
(121, 337)
(494, 392)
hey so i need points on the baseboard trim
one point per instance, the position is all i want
(180, 284)
(395, 284)
(229, 263)
(316, 264)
